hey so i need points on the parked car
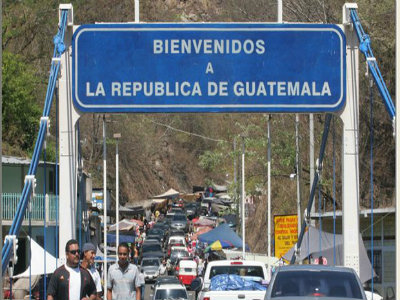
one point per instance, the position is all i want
(179, 221)
(176, 239)
(150, 267)
(320, 281)
(156, 237)
(177, 210)
(178, 254)
(191, 210)
(177, 232)
(164, 291)
(165, 280)
(151, 249)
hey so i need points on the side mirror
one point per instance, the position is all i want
(196, 284)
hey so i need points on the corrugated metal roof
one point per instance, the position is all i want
(13, 160)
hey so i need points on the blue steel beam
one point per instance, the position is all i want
(327, 125)
(59, 48)
(365, 48)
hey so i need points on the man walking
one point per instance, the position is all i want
(123, 277)
(70, 281)
(89, 252)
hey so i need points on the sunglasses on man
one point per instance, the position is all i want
(74, 252)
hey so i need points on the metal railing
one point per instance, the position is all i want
(9, 202)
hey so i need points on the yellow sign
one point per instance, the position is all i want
(285, 233)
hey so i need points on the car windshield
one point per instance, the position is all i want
(179, 218)
(179, 253)
(176, 241)
(177, 232)
(167, 279)
(171, 294)
(151, 247)
(253, 271)
(156, 231)
(150, 262)
(317, 284)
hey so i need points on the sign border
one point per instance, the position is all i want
(188, 108)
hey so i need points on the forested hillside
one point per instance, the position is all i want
(159, 151)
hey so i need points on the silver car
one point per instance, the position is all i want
(169, 291)
(179, 221)
(150, 267)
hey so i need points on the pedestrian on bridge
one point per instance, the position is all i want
(70, 281)
(123, 277)
(88, 255)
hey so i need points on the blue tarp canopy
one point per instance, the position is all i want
(111, 238)
(222, 233)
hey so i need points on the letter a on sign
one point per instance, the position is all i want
(209, 68)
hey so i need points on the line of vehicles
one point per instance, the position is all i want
(166, 260)
(165, 256)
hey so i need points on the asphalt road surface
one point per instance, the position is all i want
(149, 292)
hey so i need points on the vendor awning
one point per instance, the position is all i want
(37, 266)
(171, 193)
(124, 225)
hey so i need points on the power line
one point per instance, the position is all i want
(186, 132)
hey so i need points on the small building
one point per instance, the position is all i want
(44, 217)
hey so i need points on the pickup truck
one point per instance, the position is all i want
(248, 270)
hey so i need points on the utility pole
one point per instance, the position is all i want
(235, 184)
(105, 203)
(298, 176)
(117, 136)
(269, 189)
(312, 163)
(243, 203)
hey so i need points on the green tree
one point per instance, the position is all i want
(21, 112)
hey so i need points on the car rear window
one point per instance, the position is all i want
(150, 262)
(179, 218)
(317, 284)
(179, 253)
(171, 294)
(151, 247)
(254, 271)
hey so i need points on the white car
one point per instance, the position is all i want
(169, 291)
(176, 239)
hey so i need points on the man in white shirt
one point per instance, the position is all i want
(89, 252)
(70, 281)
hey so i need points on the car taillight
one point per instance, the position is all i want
(206, 298)
(236, 263)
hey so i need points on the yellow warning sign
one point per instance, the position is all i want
(285, 233)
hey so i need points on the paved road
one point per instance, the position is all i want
(149, 292)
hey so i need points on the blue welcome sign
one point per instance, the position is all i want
(209, 68)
